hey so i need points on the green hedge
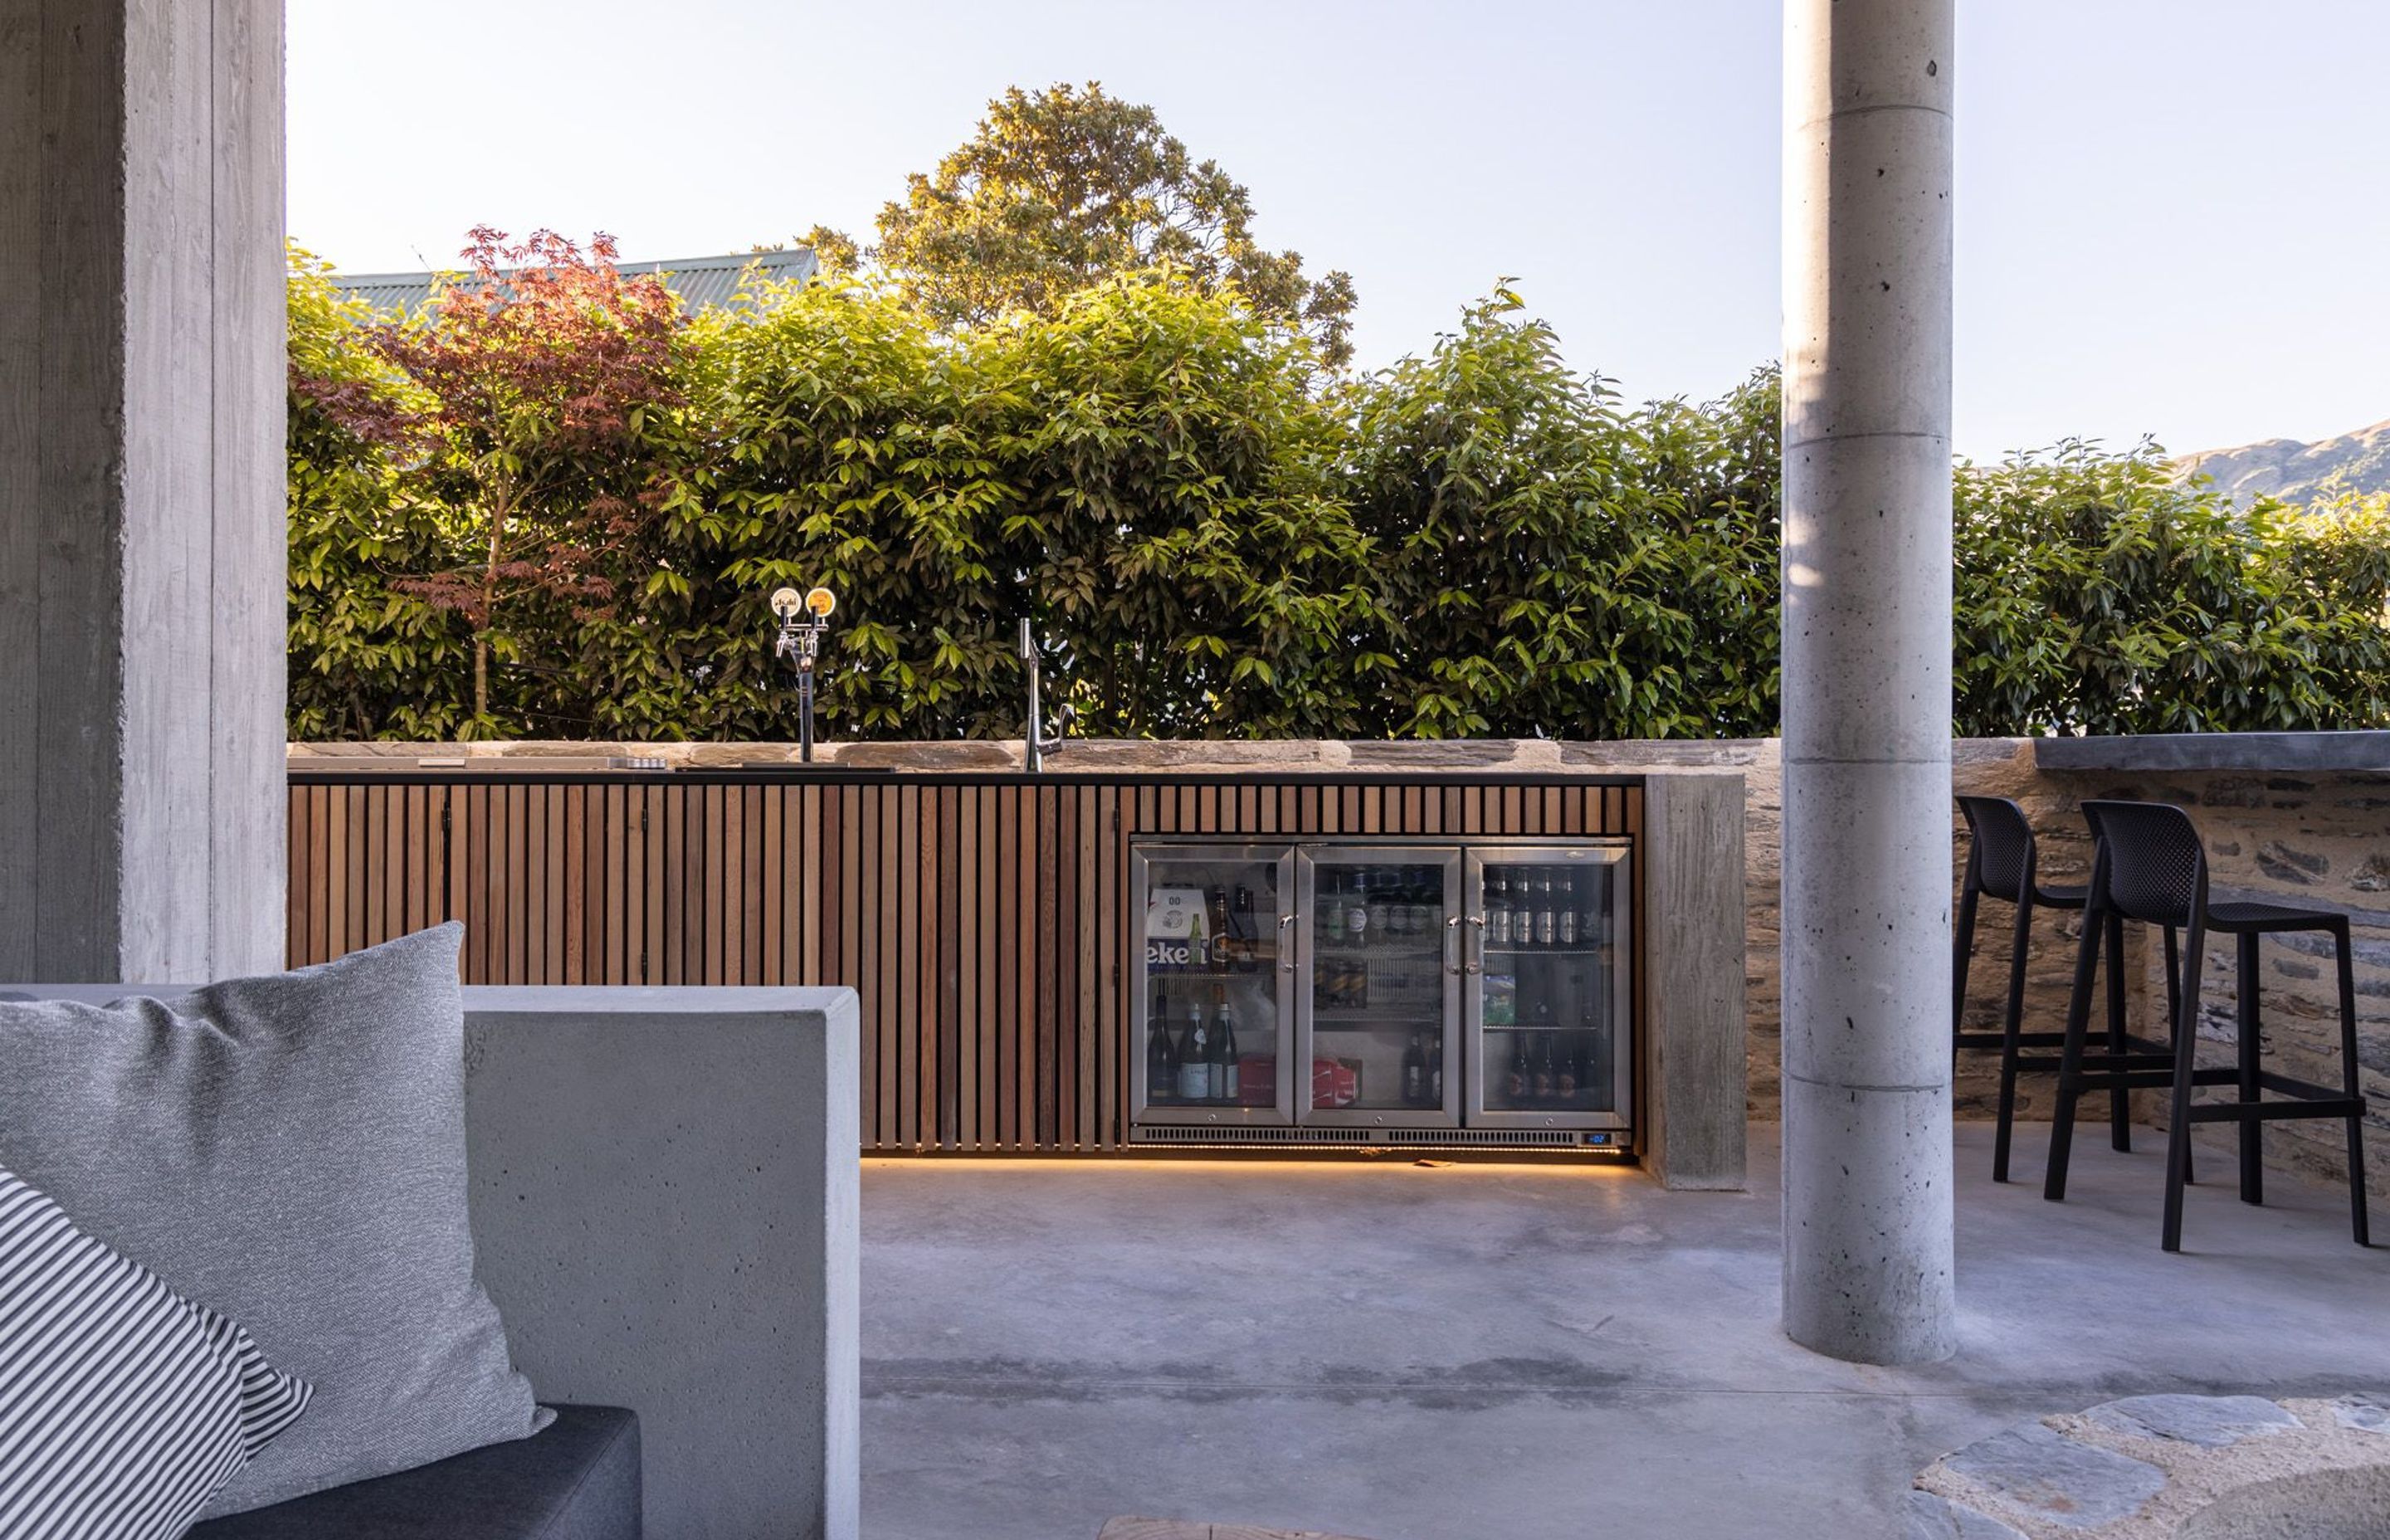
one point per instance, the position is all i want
(1217, 539)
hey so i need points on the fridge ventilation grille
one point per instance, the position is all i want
(1408, 1139)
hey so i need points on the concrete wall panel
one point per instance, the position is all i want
(141, 502)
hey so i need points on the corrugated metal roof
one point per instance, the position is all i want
(701, 282)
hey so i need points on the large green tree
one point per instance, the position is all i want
(1064, 187)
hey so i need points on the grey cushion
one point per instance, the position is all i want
(290, 1151)
(578, 1479)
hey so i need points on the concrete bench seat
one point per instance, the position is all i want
(577, 1478)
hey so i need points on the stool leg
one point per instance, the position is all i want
(2186, 1040)
(2174, 1011)
(2120, 1100)
(2070, 1062)
(2247, 1028)
(2348, 1081)
(2009, 1026)
(1962, 946)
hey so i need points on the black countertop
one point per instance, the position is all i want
(2310, 752)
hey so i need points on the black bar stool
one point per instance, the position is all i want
(2002, 862)
(2149, 866)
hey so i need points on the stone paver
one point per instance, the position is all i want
(2370, 1413)
(2210, 1421)
(2148, 1467)
(1936, 1517)
(2045, 1473)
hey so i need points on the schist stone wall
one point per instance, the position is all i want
(2317, 837)
(2312, 838)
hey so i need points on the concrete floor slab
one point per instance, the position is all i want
(1463, 1351)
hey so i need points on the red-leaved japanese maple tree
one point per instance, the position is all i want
(546, 380)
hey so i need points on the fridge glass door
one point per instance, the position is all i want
(1216, 984)
(1381, 986)
(1549, 987)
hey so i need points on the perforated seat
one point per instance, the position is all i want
(2003, 863)
(2149, 866)
(2260, 917)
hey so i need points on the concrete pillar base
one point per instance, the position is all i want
(1858, 1284)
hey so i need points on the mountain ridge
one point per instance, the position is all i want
(2297, 472)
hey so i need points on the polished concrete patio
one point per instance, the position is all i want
(1465, 1353)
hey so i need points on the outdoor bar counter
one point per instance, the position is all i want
(994, 923)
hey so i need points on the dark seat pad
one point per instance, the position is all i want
(578, 1479)
(2266, 917)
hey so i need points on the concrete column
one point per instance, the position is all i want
(1866, 678)
(141, 488)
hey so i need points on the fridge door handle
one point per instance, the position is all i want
(1477, 924)
(1452, 945)
(1285, 952)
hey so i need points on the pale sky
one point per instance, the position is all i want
(2172, 216)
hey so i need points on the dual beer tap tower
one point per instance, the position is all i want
(804, 617)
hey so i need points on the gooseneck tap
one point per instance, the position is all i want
(1034, 743)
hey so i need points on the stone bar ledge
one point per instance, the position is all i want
(2358, 751)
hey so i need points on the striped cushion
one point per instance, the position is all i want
(123, 1406)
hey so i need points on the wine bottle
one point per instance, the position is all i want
(1567, 1076)
(1567, 935)
(1357, 911)
(1541, 1087)
(1497, 912)
(1521, 1075)
(1195, 1058)
(1546, 922)
(1332, 912)
(1161, 1054)
(1241, 922)
(1215, 905)
(1224, 1047)
(1436, 1069)
(1414, 1073)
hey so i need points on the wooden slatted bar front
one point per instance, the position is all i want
(983, 919)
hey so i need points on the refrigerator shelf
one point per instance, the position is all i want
(1530, 1028)
(1544, 951)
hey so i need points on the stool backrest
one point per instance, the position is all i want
(2150, 860)
(2003, 845)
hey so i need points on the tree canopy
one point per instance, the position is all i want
(1062, 188)
(1212, 540)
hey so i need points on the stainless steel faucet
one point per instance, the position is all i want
(1034, 740)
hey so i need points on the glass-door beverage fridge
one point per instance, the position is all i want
(1337, 992)
(1379, 1008)
(1216, 985)
(1548, 993)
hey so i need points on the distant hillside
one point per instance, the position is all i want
(2297, 472)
